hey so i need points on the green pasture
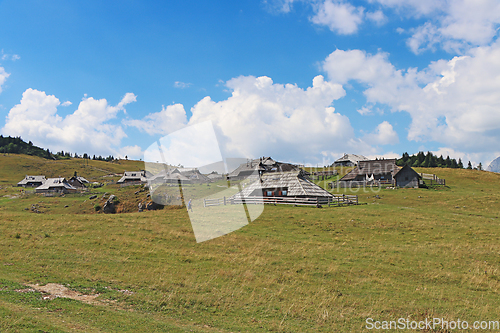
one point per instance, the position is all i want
(405, 253)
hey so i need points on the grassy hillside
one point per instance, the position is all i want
(407, 253)
(13, 168)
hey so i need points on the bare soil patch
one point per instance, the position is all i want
(58, 290)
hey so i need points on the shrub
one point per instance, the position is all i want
(97, 207)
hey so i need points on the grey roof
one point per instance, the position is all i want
(175, 177)
(351, 158)
(372, 167)
(79, 179)
(133, 176)
(263, 164)
(32, 179)
(55, 183)
(83, 180)
(294, 181)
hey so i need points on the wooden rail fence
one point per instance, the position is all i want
(336, 200)
(433, 178)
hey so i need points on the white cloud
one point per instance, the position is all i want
(384, 134)
(454, 102)
(454, 25)
(88, 129)
(182, 85)
(424, 37)
(278, 6)
(377, 16)
(132, 152)
(67, 103)
(265, 118)
(3, 77)
(168, 120)
(339, 17)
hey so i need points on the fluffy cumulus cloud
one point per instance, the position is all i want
(454, 25)
(339, 17)
(454, 102)
(88, 129)
(263, 117)
(169, 119)
(384, 134)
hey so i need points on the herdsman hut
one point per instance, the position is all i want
(59, 185)
(260, 166)
(32, 181)
(384, 171)
(291, 184)
(78, 182)
(407, 177)
(349, 160)
(133, 177)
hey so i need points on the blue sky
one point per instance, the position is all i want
(389, 76)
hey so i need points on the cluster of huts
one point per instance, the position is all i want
(376, 172)
(60, 184)
(271, 178)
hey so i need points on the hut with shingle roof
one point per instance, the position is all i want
(32, 181)
(284, 184)
(56, 185)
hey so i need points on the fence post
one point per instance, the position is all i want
(204, 202)
(224, 200)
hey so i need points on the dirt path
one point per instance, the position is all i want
(58, 290)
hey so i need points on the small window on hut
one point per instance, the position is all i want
(284, 192)
(269, 193)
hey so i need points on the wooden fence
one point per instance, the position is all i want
(336, 200)
(435, 180)
(361, 183)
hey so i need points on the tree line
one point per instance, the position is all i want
(430, 160)
(16, 145)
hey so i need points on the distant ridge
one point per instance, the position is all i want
(494, 165)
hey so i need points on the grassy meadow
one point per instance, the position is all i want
(405, 253)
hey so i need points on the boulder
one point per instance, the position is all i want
(109, 207)
(93, 197)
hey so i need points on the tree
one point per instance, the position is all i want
(448, 162)
(469, 166)
(480, 166)
(460, 164)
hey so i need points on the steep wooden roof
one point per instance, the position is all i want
(293, 181)
(372, 167)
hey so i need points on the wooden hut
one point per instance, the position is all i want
(59, 185)
(78, 182)
(407, 177)
(349, 160)
(291, 184)
(32, 181)
(133, 177)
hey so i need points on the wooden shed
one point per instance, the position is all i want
(32, 181)
(407, 177)
(59, 185)
(284, 184)
(133, 177)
